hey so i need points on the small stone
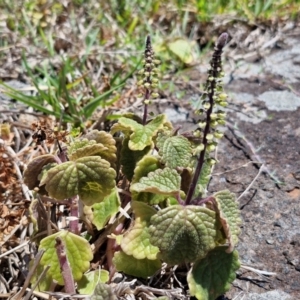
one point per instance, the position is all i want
(270, 241)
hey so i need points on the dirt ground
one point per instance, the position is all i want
(260, 154)
(264, 127)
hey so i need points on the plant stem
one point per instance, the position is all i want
(211, 91)
(147, 79)
(74, 223)
(65, 266)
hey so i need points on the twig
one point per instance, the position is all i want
(37, 259)
(14, 249)
(250, 185)
(259, 272)
(234, 169)
(43, 274)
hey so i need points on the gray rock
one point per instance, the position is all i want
(273, 295)
(280, 100)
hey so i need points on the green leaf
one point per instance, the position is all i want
(82, 148)
(141, 135)
(129, 158)
(204, 178)
(34, 168)
(103, 211)
(107, 140)
(78, 252)
(103, 292)
(229, 214)
(136, 241)
(89, 177)
(182, 48)
(135, 267)
(45, 282)
(88, 282)
(176, 152)
(183, 234)
(164, 182)
(211, 276)
(147, 164)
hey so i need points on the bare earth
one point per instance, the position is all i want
(264, 127)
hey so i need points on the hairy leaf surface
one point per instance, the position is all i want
(147, 164)
(89, 177)
(129, 158)
(107, 140)
(176, 152)
(162, 181)
(78, 252)
(229, 214)
(102, 212)
(141, 135)
(211, 276)
(97, 149)
(183, 234)
(137, 241)
(135, 267)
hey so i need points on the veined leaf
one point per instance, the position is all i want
(34, 168)
(78, 252)
(211, 276)
(104, 210)
(129, 158)
(90, 177)
(229, 214)
(136, 242)
(176, 151)
(183, 234)
(141, 135)
(89, 281)
(147, 164)
(162, 181)
(135, 267)
(107, 140)
(90, 149)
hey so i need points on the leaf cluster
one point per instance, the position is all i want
(146, 171)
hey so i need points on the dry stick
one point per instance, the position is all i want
(2, 279)
(259, 272)
(250, 185)
(11, 234)
(237, 168)
(31, 291)
(14, 249)
(37, 259)
(16, 162)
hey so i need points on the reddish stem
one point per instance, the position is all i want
(65, 266)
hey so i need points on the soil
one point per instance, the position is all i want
(262, 138)
(264, 127)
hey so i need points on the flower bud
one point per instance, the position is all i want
(218, 134)
(206, 105)
(209, 136)
(154, 95)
